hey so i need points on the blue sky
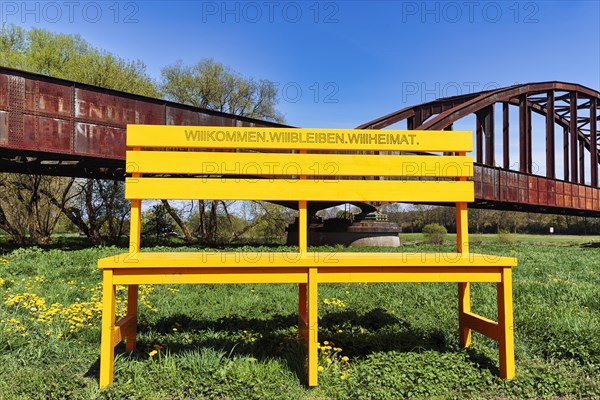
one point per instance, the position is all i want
(339, 64)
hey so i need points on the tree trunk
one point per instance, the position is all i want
(186, 231)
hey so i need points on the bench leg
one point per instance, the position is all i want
(107, 346)
(505, 326)
(132, 301)
(313, 339)
(464, 305)
(302, 316)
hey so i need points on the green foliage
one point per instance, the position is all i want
(268, 222)
(434, 233)
(209, 84)
(157, 222)
(72, 57)
(343, 214)
(505, 237)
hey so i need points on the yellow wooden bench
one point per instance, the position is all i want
(168, 162)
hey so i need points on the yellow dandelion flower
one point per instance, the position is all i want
(320, 369)
(152, 353)
(343, 376)
(345, 359)
(329, 360)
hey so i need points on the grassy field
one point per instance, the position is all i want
(387, 341)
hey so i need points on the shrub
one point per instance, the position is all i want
(505, 237)
(434, 233)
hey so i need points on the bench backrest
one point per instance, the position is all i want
(281, 164)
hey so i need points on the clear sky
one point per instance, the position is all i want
(342, 63)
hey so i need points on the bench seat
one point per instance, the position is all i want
(311, 259)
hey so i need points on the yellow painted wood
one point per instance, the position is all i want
(135, 229)
(107, 345)
(302, 227)
(462, 228)
(313, 328)
(163, 276)
(123, 328)
(506, 328)
(302, 312)
(292, 190)
(462, 222)
(408, 274)
(482, 325)
(327, 275)
(132, 302)
(304, 268)
(218, 137)
(327, 165)
(135, 225)
(464, 306)
(266, 260)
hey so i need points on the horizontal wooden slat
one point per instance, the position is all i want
(362, 262)
(480, 324)
(291, 138)
(123, 328)
(409, 274)
(206, 163)
(326, 275)
(141, 276)
(290, 190)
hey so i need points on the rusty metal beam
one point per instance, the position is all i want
(566, 175)
(594, 143)
(529, 139)
(488, 127)
(573, 136)
(581, 162)
(505, 135)
(522, 133)
(479, 137)
(550, 150)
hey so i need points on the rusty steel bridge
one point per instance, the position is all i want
(57, 127)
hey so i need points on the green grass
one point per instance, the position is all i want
(240, 341)
(521, 238)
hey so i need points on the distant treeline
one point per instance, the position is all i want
(414, 218)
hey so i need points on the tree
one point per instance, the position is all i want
(211, 85)
(25, 213)
(71, 57)
(96, 207)
(158, 222)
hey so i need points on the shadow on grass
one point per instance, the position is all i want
(590, 245)
(276, 337)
